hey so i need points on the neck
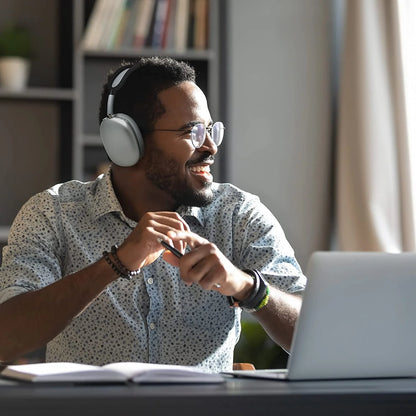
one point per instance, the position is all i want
(137, 195)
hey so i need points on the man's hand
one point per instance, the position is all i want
(142, 247)
(207, 266)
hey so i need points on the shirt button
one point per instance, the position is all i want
(152, 326)
(150, 281)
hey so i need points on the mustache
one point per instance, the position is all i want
(205, 157)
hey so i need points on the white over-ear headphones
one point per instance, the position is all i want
(119, 133)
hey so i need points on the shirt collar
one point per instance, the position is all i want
(195, 212)
(104, 201)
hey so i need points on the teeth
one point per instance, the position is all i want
(199, 169)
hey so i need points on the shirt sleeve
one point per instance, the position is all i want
(263, 246)
(31, 258)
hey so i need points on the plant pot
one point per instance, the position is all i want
(14, 73)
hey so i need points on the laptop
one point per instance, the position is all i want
(358, 319)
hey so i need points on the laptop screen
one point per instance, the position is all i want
(358, 317)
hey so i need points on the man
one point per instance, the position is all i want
(85, 271)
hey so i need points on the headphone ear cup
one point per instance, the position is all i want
(122, 139)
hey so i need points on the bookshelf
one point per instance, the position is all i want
(93, 63)
(36, 128)
(49, 132)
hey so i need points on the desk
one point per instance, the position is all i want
(238, 397)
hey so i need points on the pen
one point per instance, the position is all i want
(173, 250)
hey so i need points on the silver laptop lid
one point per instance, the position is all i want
(358, 317)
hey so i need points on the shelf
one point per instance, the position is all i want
(54, 94)
(192, 54)
(92, 140)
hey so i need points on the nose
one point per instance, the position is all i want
(208, 145)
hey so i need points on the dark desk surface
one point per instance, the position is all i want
(235, 397)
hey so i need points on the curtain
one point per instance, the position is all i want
(375, 185)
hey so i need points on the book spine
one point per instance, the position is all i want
(114, 23)
(159, 23)
(128, 37)
(122, 27)
(181, 24)
(191, 25)
(201, 23)
(167, 23)
(149, 35)
(94, 28)
(170, 37)
(144, 17)
(106, 31)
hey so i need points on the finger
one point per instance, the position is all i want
(203, 266)
(210, 281)
(172, 219)
(166, 224)
(164, 228)
(171, 258)
(162, 222)
(190, 238)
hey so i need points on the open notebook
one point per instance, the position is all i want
(357, 319)
(134, 372)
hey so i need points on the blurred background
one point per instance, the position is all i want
(318, 99)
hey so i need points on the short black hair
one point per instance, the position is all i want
(138, 96)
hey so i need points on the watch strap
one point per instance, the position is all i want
(258, 297)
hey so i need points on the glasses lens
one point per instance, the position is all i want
(218, 132)
(199, 132)
(198, 135)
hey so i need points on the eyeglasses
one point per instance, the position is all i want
(199, 132)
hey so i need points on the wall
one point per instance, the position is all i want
(278, 112)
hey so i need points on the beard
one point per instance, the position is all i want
(165, 173)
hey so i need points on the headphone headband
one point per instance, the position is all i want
(117, 83)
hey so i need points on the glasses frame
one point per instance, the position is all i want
(191, 132)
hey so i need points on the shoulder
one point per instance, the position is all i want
(71, 191)
(238, 201)
(49, 203)
(231, 193)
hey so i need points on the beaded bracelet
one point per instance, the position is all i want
(118, 266)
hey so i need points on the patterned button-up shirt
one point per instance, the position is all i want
(155, 317)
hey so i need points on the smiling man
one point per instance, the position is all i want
(85, 273)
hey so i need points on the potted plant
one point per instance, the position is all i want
(15, 53)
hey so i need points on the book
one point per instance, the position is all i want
(168, 41)
(122, 25)
(95, 28)
(128, 37)
(181, 24)
(112, 24)
(149, 35)
(200, 37)
(124, 372)
(143, 22)
(105, 24)
(161, 16)
(168, 23)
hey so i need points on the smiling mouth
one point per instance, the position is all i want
(202, 170)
